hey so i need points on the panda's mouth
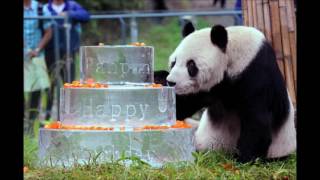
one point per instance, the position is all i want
(186, 88)
(179, 91)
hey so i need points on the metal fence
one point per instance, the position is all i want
(133, 25)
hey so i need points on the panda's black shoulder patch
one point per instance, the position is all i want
(264, 67)
(259, 88)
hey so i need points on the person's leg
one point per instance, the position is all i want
(26, 113)
(215, 2)
(33, 110)
(50, 60)
(73, 67)
(50, 95)
(64, 70)
(237, 20)
(223, 3)
(34, 104)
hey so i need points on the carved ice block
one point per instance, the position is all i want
(66, 147)
(117, 64)
(116, 106)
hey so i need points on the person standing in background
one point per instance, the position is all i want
(75, 14)
(159, 6)
(35, 70)
(222, 3)
(238, 7)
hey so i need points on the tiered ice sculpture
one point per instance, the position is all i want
(127, 105)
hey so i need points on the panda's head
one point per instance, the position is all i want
(199, 61)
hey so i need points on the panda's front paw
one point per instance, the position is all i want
(244, 158)
(160, 77)
(192, 122)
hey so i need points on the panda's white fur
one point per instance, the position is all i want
(225, 136)
(236, 58)
(243, 45)
(284, 142)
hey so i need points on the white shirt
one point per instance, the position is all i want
(58, 8)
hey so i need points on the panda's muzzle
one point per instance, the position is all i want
(171, 83)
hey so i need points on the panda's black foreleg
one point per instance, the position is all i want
(255, 135)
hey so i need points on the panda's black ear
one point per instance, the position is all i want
(219, 37)
(187, 29)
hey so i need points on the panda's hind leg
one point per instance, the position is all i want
(255, 135)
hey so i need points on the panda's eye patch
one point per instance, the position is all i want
(192, 68)
(172, 64)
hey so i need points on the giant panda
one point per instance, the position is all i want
(232, 72)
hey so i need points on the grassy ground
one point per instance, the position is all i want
(209, 165)
(212, 165)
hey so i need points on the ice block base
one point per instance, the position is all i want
(58, 147)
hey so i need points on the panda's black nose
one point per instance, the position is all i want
(171, 83)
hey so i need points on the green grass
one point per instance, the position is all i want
(209, 165)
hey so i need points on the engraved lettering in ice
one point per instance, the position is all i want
(130, 113)
(115, 113)
(163, 100)
(143, 108)
(100, 110)
(88, 108)
(122, 69)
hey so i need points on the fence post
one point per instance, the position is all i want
(133, 29)
(67, 27)
(57, 64)
(123, 31)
